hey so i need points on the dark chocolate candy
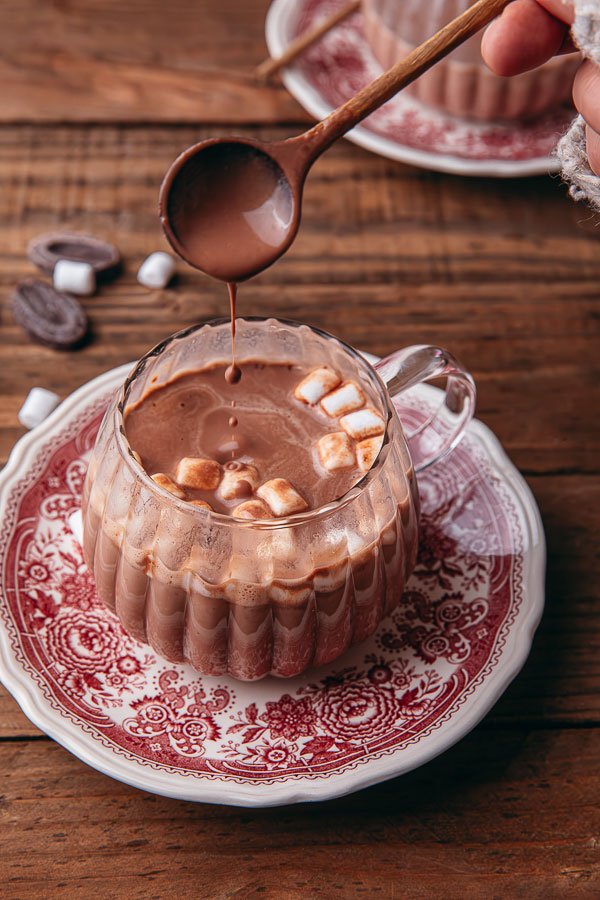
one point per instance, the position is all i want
(45, 251)
(54, 319)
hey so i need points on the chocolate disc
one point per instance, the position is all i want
(56, 320)
(45, 251)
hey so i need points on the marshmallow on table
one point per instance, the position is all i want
(37, 407)
(281, 497)
(363, 423)
(367, 450)
(157, 270)
(168, 484)
(316, 384)
(197, 473)
(343, 400)
(336, 451)
(252, 509)
(76, 526)
(74, 277)
(239, 480)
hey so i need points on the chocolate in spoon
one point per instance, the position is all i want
(231, 206)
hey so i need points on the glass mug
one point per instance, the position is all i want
(253, 598)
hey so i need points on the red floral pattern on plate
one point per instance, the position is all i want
(341, 63)
(408, 680)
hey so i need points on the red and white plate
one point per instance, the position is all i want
(341, 63)
(432, 671)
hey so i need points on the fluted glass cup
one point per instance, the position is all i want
(253, 598)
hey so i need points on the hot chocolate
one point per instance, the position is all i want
(207, 559)
(291, 423)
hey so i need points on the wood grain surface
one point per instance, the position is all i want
(98, 96)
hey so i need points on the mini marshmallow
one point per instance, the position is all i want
(336, 451)
(197, 473)
(74, 277)
(202, 504)
(157, 270)
(239, 480)
(281, 497)
(252, 509)
(37, 407)
(363, 423)
(343, 400)
(168, 484)
(316, 384)
(76, 526)
(367, 450)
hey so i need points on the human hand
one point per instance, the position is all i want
(528, 33)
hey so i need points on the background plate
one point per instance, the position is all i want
(337, 66)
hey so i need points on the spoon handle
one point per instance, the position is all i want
(272, 65)
(371, 97)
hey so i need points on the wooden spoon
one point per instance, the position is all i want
(231, 206)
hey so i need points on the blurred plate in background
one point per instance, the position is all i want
(341, 63)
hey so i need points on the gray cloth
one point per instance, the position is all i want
(584, 184)
(586, 28)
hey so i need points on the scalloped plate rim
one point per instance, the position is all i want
(74, 739)
(312, 101)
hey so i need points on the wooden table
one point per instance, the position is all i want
(97, 99)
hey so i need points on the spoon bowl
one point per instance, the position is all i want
(228, 208)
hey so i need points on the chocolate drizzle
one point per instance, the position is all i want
(233, 373)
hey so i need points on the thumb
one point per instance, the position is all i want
(560, 9)
(527, 34)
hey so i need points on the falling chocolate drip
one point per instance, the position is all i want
(233, 373)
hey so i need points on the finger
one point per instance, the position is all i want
(592, 144)
(586, 93)
(522, 38)
(565, 11)
(561, 9)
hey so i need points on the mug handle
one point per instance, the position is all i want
(443, 429)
